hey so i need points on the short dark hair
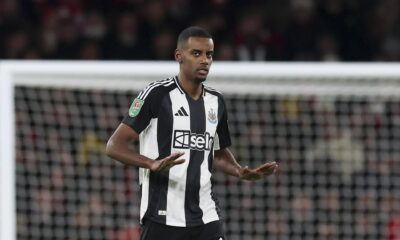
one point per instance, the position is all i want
(192, 31)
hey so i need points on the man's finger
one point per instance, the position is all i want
(177, 162)
(169, 164)
(174, 156)
(266, 167)
(276, 169)
(162, 164)
(245, 170)
(249, 173)
(177, 154)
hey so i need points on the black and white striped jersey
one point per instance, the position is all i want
(168, 120)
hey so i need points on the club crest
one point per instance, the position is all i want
(212, 116)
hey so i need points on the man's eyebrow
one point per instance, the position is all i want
(199, 50)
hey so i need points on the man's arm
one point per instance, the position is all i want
(118, 149)
(225, 162)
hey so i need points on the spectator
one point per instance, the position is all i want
(251, 38)
(390, 205)
(226, 52)
(332, 30)
(90, 50)
(94, 27)
(327, 48)
(16, 44)
(125, 43)
(302, 32)
(69, 39)
(163, 45)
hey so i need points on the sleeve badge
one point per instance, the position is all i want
(135, 107)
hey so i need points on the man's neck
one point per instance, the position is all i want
(193, 89)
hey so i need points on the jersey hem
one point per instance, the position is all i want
(180, 225)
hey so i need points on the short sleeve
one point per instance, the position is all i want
(223, 138)
(139, 114)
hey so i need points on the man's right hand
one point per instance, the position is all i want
(167, 162)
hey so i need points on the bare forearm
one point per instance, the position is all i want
(225, 162)
(118, 147)
(126, 155)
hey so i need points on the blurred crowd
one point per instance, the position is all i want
(268, 30)
(339, 160)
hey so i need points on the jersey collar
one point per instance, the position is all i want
(180, 88)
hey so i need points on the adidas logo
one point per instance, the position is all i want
(181, 112)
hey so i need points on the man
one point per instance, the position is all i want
(183, 132)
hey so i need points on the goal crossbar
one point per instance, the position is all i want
(321, 79)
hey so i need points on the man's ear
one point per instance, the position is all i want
(178, 56)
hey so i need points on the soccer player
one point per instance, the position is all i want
(182, 128)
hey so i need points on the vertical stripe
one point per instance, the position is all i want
(207, 204)
(144, 202)
(177, 177)
(197, 126)
(158, 181)
(147, 139)
(158, 190)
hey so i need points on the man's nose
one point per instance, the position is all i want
(204, 59)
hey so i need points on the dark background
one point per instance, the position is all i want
(269, 30)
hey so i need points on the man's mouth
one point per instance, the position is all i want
(203, 71)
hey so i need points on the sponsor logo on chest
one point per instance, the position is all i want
(185, 139)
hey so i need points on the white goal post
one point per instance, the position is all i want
(321, 79)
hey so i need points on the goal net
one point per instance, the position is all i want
(334, 129)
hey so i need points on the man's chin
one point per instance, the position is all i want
(200, 79)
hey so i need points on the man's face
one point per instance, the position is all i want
(195, 58)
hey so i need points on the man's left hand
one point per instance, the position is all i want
(265, 169)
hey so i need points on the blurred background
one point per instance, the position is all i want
(339, 154)
(286, 30)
